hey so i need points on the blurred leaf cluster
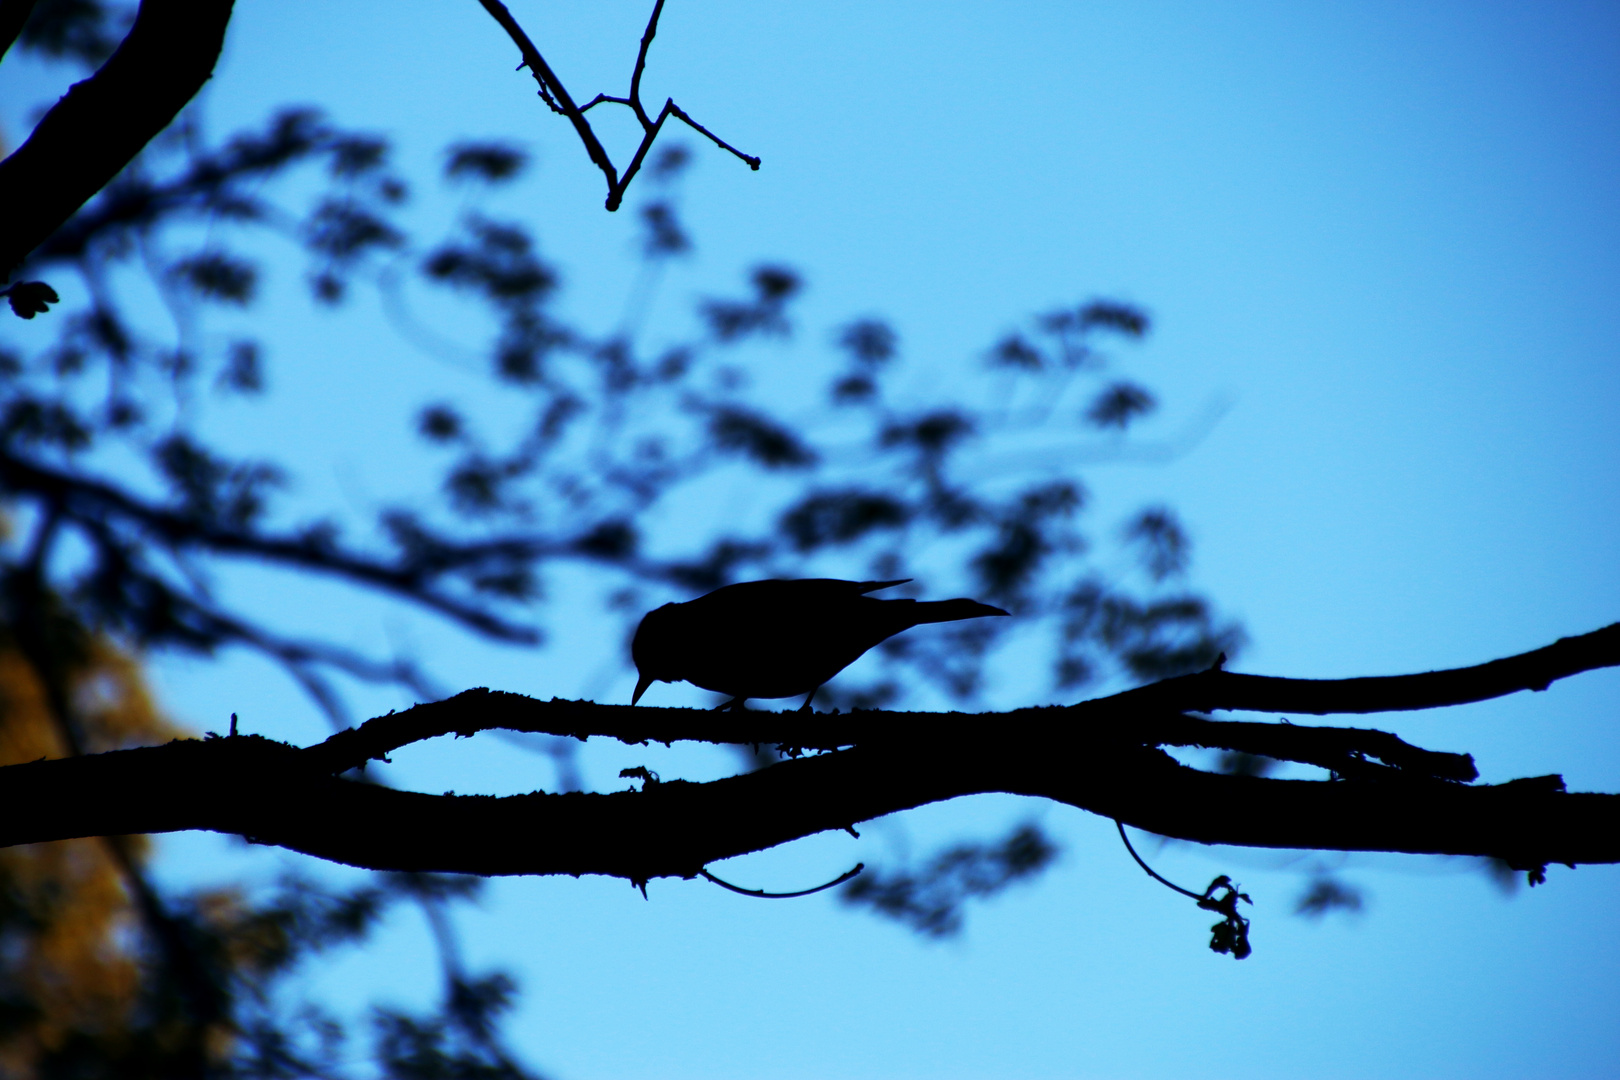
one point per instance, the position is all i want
(87, 991)
(121, 514)
(930, 899)
(100, 444)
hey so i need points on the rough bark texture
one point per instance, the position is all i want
(268, 792)
(100, 124)
(1103, 756)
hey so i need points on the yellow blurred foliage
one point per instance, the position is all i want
(68, 933)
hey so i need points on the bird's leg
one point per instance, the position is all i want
(732, 706)
(806, 706)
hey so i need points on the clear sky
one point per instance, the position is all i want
(1385, 237)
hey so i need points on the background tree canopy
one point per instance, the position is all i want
(1374, 499)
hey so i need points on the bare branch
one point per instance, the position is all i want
(550, 84)
(472, 711)
(103, 122)
(643, 148)
(1535, 670)
(753, 162)
(641, 63)
(1342, 750)
(557, 97)
(266, 792)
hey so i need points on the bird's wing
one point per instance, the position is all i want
(864, 587)
(777, 588)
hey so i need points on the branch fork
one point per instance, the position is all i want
(557, 98)
(1103, 756)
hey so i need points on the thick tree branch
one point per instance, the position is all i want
(1100, 756)
(265, 791)
(100, 124)
(1342, 750)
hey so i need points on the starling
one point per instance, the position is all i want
(774, 639)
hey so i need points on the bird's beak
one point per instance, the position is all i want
(641, 688)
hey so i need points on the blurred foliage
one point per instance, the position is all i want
(930, 899)
(122, 512)
(1326, 894)
(65, 923)
(83, 31)
(102, 444)
(85, 987)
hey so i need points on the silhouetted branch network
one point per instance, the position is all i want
(118, 512)
(1103, 756)
(96, 439)
(102, 124)
(556, 96)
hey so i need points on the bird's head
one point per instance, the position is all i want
(656, 650)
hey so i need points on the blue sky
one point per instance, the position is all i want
(1382, 239)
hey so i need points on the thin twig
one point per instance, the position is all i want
(1152, 873)
(753, 162)
(599, 99)
(641, 64)
(641, 151)
(761, 894)
(1341, 750)
(556, 96)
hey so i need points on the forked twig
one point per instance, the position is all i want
(556, 96)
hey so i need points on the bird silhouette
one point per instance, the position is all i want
(774, 639)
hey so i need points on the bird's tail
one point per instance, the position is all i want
(928, 611)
